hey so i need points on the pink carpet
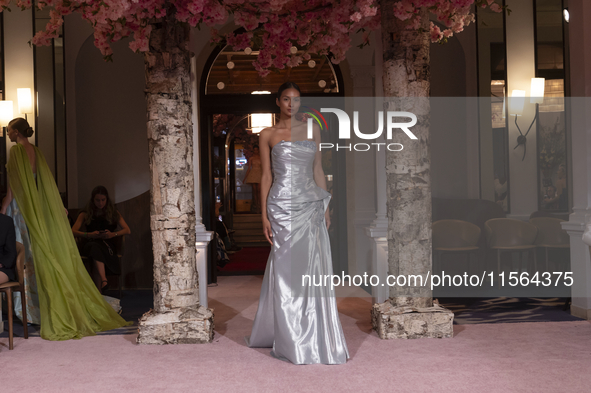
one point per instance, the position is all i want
(516, 357)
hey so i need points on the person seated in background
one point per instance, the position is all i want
(223, 231)
(101, 220)
(7, 249)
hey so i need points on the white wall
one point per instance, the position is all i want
(18, 58)
(77, 30)
(110, 124)
(520, 69)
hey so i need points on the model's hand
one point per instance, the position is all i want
(108, 234)
(105, 234)
(267, 230)
(94, 234)
(327, 219)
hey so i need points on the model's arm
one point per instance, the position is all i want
(266, 180)
(123, 231)
(9, 250)
(78, 224)
(7, 199)
(319, 177)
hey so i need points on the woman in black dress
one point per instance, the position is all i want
(101, 221)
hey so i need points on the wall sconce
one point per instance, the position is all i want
(517, 103)
(6, 114)
(25, 101)
(537, 90)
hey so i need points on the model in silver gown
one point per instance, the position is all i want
(300, 322)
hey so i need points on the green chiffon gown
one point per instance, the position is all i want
(70, 304)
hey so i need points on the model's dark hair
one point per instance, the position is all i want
(22, 126)
(109, 211)
(287, 85)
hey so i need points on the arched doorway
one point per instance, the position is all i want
(228, 81)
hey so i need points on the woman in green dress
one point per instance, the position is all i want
(70, 306)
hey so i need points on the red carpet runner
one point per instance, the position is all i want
(248, 261)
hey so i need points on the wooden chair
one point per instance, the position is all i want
(550, 236)
(10, 287)
(510, 235)
(454, 237)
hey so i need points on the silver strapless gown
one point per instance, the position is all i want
(301, 323)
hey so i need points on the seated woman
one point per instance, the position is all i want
(7, 249)
(100, 219)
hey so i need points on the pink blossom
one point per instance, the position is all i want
(356, 17)
(315, 26)
(436, 34)
(495, 7)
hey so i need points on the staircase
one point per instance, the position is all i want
(249, 230)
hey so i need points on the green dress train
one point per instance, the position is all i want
(70, 304)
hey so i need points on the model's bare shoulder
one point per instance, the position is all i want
(266, 133)
(265, 136)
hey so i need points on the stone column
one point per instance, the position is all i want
(177, 317)
(580, 108)
(410, 311)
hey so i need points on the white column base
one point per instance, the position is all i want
(580, 312)
(379, 264)
(202, 240)
(580, 263)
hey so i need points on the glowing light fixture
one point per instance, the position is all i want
(221, 85)
(261, 92)
(25, 101)
(6, 113)
(566, 15)
(516, 102)
(537, 90)
(311, 64)
(260, 121)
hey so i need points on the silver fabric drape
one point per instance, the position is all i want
(300, 322)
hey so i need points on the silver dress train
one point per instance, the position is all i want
(299, 321)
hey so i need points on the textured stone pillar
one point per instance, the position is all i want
(177, 316)
(409, 312)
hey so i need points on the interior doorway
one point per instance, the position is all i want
(232, 96)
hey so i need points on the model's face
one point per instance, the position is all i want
(289, 102)
(12, 134)
(255, 150)
(100, 201)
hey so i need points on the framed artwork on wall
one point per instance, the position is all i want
(552, 161)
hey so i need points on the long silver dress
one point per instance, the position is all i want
(300, 322)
